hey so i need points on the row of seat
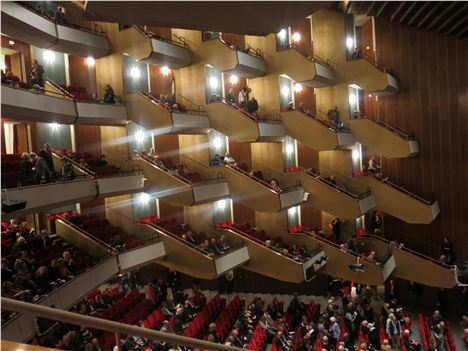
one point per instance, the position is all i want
(198, 327)
(228, 316)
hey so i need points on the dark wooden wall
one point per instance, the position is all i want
(159, 83)
(82, 75)
(163, 32)
(241, 152)
(25, 52)
(235, 39)
(433, 103)
(88, 139)
(167, 145)
(236, 88)
(303, 28)
(307, 97)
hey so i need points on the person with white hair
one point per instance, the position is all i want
(335, 332)
(393, 329)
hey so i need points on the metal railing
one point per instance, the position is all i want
(155, 100)
(200, 108)
(313, 58)
(180, 40)
(258, 180)
(257, 53)
(384, 124)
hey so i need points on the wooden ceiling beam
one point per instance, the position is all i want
(408, 11)
(418, 13)
(452, 16)
(395, 13)
(381, 8)
(436, 6)
(447, 9)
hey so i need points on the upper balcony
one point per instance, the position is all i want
(242, 126)
(193, 258)
(24, 22)
(380, 136)
(146, 110)
(273, 257)
(312, 71)
(230, 59)
(398, 201)
(54, 105)
(258, 194)
(412, 265)
(320, 134)
(332, 198)
(372, 77)
(150, 48)
(180, 190)
(340, 260)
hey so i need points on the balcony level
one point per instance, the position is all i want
(259, 194)
(315, 132)
(177, 190)
(190, 259)
(145, 110)
(25, 23)
(384, 138)
(229, 59)
(147, 47)
(270, 261)
(241, 126)
(333, 199)
(311, 71)
(52, 106)
(411, 265)
(340, 259)
(398, 201)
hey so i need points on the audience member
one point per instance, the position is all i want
(26, 168)
(109, 97)
(36, 73)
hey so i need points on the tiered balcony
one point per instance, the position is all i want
(341, 258)
(147, 111)
(398, 201)
(384, 138)
(332, 198)
(189, 257)
(258, 194)
(148, 47)
(272, 257)
(232, 60)
(54, 105)
(177, 190)
(24, 22)
(318, 133)
(312, 71)
(242, 126)
(412, 265)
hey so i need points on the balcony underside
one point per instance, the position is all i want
(143, 111)
(412, 267)
(175, 191)
(240, 127)
(331, 200)
(383, 140)
(22, 24)
(338, 262)
(399, 204)
(372, 79)
(268, 262)
(314, 133)
(257, 196)
(190, 261)
(26, 105)
(303, 70)
(232, 61)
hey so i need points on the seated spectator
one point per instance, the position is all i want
(301, 107)
(213, 247)
(109, 97)
(101, 161)
(252, 107)
(410, 343)
(223, 244)
(229, 160)
(83, 164)
(373, 167)
(332, 179)
(67, 172)
(334, 116)
(274, 185)
(217, 160)
(448, 251)
(26, 169)
(230, 97)
(290, 106)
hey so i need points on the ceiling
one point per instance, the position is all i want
(445, 17)
(243, 17)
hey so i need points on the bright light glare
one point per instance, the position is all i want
(292, 211)
(296, 37)
(49, 56)
(355, 155)
(140, 136)
(352, 99)
(289, 149)
(221, 204)
(233, 80)
(217, 143)
(213, 82)
(11, 42)
(144, 198)
(165, 70)
(135, 72)
(54, 126)
(90, 61)
(282, 33)
(297, 87)
(285, 91)
(349, 43)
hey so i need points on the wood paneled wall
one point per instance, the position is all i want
(243, 214)
(235, 39)
(167, 146)
(433, 103)
(88, 139)
(163, 32)
(82, 75)
(307, 97)
(236, 88)
(159, 83)
(307, 157)
(367, 39)
(241, 152)
(303, 28)
(167, 211)
(24, 50)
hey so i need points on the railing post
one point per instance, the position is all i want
(117, 341)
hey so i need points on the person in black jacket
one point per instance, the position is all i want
(27, 173)
(46, 154)
(174, 281)
(109, 97)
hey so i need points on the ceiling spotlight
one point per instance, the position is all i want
(233, 80)
(11, 43)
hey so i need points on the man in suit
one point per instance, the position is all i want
(46, 154)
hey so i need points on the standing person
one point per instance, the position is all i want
(174, 280)
(36, 74)
(252, 107)
(393, 329)
(109, 97)
(46, 154)
(335, 226)
(448, 251)
(59, 16)
(243, 98)
(334, 116)
(42, 173)
(26, 169)
(335, 332)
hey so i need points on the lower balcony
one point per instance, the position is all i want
(398, 201)
(241, 126)
(53, 107)
(179, 190)
(259, 194)
(373, 78)
(387, 140)
(411, 265)
(331, 198)
(145, 110)
(189, 258)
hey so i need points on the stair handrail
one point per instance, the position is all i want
(110, 326)
(76, 164)
(254, 178)
(249, 51)
(257, 166)
(311, 58)
(201, 107)
(154, 36)
(386, 125)
(63, 91)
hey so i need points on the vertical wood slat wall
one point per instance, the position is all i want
(433, 103)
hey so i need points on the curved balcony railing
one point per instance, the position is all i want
(180, 40)
(257, 53)
(393, 129)
(313, 58)
(325, 123)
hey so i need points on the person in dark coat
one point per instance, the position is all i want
(27, 173)
(109, 97)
